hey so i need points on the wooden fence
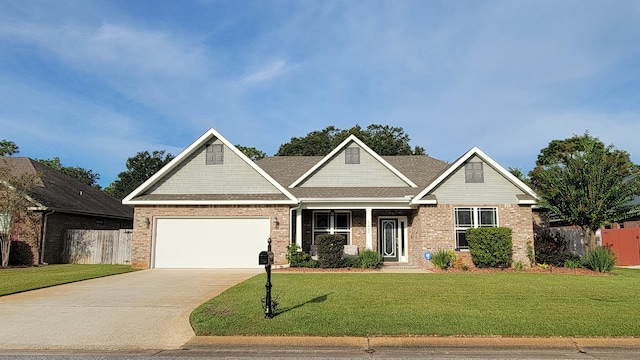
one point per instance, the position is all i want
(625, 243)
(97, 246)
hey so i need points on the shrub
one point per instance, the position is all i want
(369, 259)
(444, 259)
(330, 249)
(518, 265)
(552, 248)
(298, 258)
(490, 247)
(572, 264)
(600, 259)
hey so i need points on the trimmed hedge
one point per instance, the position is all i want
(490, 247)
(330, 248)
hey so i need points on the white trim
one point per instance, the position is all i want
(211, 133)
(347, 141)
(369, 228)
(211, 202)
(360, 200)
(458, 163)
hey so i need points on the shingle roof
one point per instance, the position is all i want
(60, 192)
(421, 169)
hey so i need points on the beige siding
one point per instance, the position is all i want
(495, 189)
(369, 173)
(194, 176)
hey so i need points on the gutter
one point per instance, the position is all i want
(44, 236)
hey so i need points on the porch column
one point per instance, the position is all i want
(369, 237)
(299, 228)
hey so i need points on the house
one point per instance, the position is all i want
(59, 202)
(212, 207)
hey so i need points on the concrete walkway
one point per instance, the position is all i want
(147, 309)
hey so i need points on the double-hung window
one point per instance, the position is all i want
(472, 217)
(332, 222)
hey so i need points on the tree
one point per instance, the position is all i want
(14, 200)
(83, 175)
(139, 168)
(8, 148)
(586, 183)
(252, 153)
(383, 139)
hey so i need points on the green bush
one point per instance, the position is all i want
(369, 259)
(552, 248)
(490, 247)
(330, 248)
(444, 259)
(600, 259)
(298, 258)
(572, 264)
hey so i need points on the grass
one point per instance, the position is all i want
(15, 280)
(446, 304)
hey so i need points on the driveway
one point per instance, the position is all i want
(146, 309)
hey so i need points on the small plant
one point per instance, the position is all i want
(444, 259)
(369, 259)
(531, 253)
(600, 259)
(299, 258)
(274, 302)
(464, 267)
(518, 265)
(543, 266)
(572, 264)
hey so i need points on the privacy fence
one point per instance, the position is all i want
(97, 246)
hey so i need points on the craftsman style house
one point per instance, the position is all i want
(212, 207)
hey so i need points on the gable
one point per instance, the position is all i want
(494, 188)
(210, 171)
(198, 175)
(346, 170)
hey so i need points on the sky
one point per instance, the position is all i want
(95, 82)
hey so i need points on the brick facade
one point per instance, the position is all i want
(144, 215)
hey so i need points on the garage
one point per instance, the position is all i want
(220, 242)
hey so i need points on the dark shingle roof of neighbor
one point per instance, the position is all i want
(60, 192)
(421, 169)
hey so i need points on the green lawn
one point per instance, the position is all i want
(443, 304)
(14, 280)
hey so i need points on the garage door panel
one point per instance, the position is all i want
(209, 242)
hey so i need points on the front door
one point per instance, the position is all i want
(392, 239)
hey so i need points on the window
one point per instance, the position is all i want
(472, 217)
(215, 154)
(352, 155)
(332, 222)
(473, 172)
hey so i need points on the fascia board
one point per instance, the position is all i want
(352, 138)
(211, 202)
(345, 200)
(211, 133)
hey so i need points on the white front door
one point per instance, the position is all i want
(392, 242)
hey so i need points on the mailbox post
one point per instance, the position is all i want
(266, 258)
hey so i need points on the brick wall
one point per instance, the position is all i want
(433, 230)
(143, 229)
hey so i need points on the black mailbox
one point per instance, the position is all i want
(265, 258)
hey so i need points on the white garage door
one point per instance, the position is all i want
(209, 242)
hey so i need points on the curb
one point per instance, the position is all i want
(408, 342)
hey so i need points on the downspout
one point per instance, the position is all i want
(44, 236)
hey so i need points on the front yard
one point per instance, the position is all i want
(14, 280)
(443, 304)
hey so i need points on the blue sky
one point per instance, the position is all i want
(94, 82)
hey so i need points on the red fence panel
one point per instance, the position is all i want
(625, 243)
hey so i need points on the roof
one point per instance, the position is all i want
(60, 192)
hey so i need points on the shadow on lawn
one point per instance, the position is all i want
(315, 300)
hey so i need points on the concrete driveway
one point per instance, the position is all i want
(147, 309)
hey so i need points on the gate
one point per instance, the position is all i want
(625, 243)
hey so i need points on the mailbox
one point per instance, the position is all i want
(265, 258)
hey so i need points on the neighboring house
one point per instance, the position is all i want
(212, 207)
(59, 202)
